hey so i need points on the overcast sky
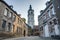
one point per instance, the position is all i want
(22, 6)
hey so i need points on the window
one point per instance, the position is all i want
(9, 14)
(30, 12)
(44, 17)
(41, 29)
(14, 17)
(55, 21)
(3, 24)
(18, 30)
(13, 27)
(49, 13)
(52, 29)
(18, 20)
(5, 12)
(52, 11)
(9, 25)
(50, 23)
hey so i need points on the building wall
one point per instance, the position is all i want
(17, 24)
(5, 17)
(56, 4)
(36, 30)
(48, 17)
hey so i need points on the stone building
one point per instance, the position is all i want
(31, 17)
(10, 21)
(17, 25)
(6, 17)
(29, 30)
(36, 30)
(56, 4)
(48, 21)
(25, 27)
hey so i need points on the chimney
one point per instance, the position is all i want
(41, 11)
(11, 6)
(47, 3)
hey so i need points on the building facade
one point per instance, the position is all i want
(36, 30)
(31, 17)
(48, 21)
(6, 17)
(29, 30)
(18, 25)
(56, 4)
(10, 21)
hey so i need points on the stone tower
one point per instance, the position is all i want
(31, 17)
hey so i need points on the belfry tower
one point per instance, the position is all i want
(31, 17)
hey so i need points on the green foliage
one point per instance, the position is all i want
(24, 19)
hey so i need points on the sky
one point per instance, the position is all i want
(22, 7)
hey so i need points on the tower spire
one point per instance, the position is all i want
(30, 7)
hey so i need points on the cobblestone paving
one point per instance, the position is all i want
(31, 38)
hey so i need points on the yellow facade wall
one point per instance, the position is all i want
(19, 23)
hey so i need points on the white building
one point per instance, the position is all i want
(31, 17)
(48, 22)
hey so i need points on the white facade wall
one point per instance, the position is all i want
(51, 14)
(56, 29)
(46, 31)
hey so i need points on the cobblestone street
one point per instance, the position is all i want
(31, 38)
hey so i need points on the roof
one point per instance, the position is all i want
(8, 6)
(28, 26)
(46, 8)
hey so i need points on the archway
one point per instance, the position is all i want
(24, 33)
